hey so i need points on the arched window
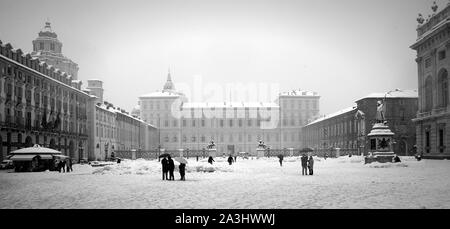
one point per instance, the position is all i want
(443, 88)
(428, 94)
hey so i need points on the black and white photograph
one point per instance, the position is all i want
(224, 104)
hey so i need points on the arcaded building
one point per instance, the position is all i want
(113, 129)
(433, 64)
(40, 104)
(233, 126)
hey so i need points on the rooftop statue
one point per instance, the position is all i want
(420, 19)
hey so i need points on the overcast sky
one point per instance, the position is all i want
(342, 49)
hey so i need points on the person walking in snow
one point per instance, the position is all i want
(304, 160)
(182, 169)
(311, 165)
(281, 157)
(230, 160)
(210, 160)
(165, 168)
(171, 168)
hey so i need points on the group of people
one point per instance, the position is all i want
(307, 164)
(168, 167)
(64, 165)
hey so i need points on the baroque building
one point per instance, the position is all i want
(433, 63)
(47, 48)
(233, 126)
(40, 104)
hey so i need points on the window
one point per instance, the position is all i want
(41, 45)
(441, 136)
(221, 123)
(203, 123)
(428, 94)
(428, 63)
(52, 46)
(231, 123)
(427, 141)
(441, 55)
(443, 88)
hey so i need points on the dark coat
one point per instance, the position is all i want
(182, 168)
(171, 165)
(311, 163)
(304, 161)
(165, 165)
(230, 160)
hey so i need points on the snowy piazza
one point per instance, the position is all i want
(249, 183)
(232, 112)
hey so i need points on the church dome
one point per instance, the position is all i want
(47, 31)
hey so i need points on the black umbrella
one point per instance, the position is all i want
(280, 156)
(306, 150)
(164, 155)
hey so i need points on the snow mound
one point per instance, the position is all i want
(386, 165)
(206, 167)
(353, 159)
(138, 167)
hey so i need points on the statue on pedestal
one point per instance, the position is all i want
(211, 145)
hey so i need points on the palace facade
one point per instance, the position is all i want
(433, 63)
(234, 126)
(40, 104)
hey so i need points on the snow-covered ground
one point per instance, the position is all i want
(255, 183)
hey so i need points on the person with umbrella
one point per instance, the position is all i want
(171, 167)
(304, 164)
(165, 168)
(182, 167)
(281, 159)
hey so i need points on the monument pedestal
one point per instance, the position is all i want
(212, 152)
(381, 139)
(260, 152)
